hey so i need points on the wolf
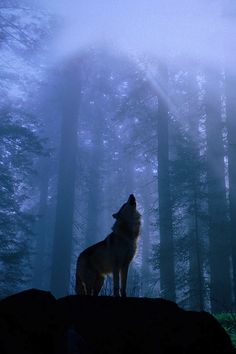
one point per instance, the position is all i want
(112, 255)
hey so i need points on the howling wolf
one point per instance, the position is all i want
(112, 255)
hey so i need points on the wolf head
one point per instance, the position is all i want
(127, 209)
(128, 218)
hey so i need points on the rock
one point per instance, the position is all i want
(27, 323)
(35, 322)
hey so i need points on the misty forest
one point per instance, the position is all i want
(102, 99)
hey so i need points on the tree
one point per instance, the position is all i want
(62, 245)
(23, 29)
(231, 129)
(19, 146)
(145, 269)
(187, 181)
(229, 11)
(220, 286)
(41, 226)
(167, 269)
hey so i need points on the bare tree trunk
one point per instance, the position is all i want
(195, 253)
(94, 210)
(167, 268)
(62, 248)
(231, 127)
(41, 228)
(146, 244)
(195, 270)
(220, 287)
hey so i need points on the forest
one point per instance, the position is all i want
(99, 101)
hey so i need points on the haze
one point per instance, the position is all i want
(187, 29)
(104, 99)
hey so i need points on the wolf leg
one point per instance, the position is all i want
(80, 288)
(88, 280)
(116, 287)
(98, 283)
(124, 273)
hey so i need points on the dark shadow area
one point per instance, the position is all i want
(35, 322)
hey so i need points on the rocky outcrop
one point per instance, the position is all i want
(35, 322)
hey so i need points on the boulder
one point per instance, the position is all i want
(35, 322)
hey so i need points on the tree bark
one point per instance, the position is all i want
(231, 128)
(94, 211)
(62, 247)
(146, 241)
(220, 287)
(41, 228)
(196, 285)
(195, 259)
(167, 268)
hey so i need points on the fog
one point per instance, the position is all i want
(104, 99)
(197, 31)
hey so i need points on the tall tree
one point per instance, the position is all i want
(229, 12)
(231, 128)
(41, 224)
(220, 287)
(62, 247)
(145, 269)
(194, 175)
(23, 30)
(95, 157)
(167, 268)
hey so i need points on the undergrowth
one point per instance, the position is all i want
(228, 321)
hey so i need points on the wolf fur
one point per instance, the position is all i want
(112, 255)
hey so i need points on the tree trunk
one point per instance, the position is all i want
(41, 228)
(167, 268)
(220, 287)
(146, 242)
(231, 127)
(62, 247)
(92, 235)
(196, 286)
(195, 258)
(94, 211)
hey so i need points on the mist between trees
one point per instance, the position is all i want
(80, 132)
